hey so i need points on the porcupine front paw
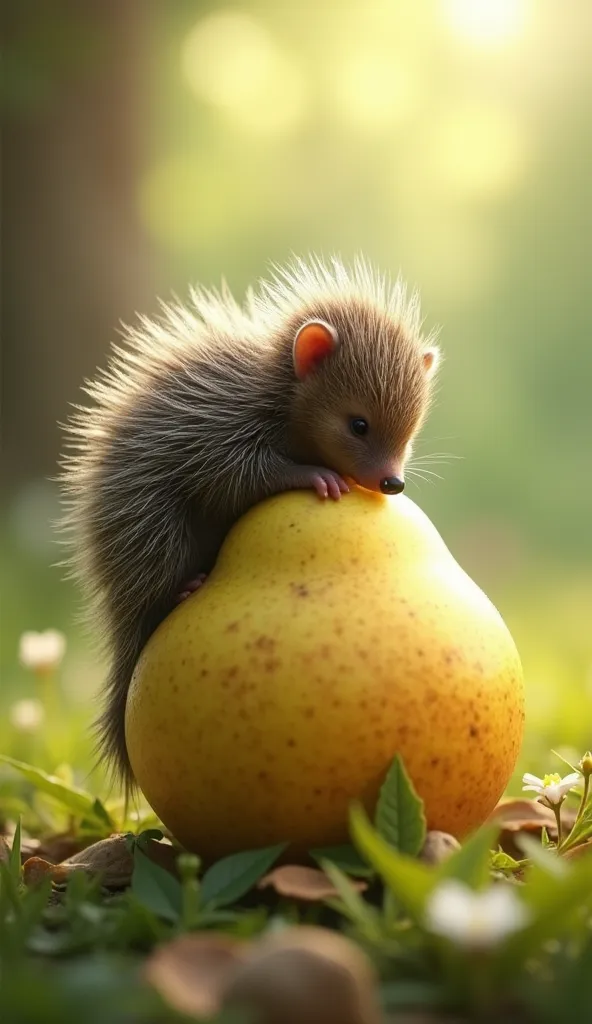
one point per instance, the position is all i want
(192, 586)
(325, 482)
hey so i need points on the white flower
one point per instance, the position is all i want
(474, 919)
(42, 651)
(551, 789)
(27, 715)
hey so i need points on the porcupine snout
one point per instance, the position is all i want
(392, 485)
(389, 479)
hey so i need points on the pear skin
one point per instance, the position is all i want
(329, 637)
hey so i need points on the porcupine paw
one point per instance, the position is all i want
(325, 482)
(192, 586)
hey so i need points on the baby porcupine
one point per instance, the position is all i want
(324, 374)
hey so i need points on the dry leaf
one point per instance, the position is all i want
(302, 883)
(35, 869)
(109, 858)
(512, 814)
(190, 972)
(519, 814)
(305, 974)
(522, 815)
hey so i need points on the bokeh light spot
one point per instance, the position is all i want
(487, 22)
(233, 62)
(376, 89)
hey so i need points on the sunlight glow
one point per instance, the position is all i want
(231, 61)
(487, 22)
(375, 89)
(478, 152)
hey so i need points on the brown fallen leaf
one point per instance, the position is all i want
(109, 858)
(522, 815)
(512, 813)
(303, 883)
(35, 869)
(190, 972)
(305, 974)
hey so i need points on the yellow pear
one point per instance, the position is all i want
(329, 637)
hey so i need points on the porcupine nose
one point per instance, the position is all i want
(392, 485)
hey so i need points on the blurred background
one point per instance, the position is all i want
(150, 145)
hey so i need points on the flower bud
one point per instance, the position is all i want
(188, 866)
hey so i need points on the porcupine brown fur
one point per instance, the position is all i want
(208, 410)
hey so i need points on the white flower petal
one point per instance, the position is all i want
(532, 780)
(571, 780)
(448, 909)
(552, 793)
(474, 919)
(503, 911)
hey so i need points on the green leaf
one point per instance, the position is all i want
(470, 864)
(404, 994)
(581, 831)
(410, 881)
(229, 879)
(76, 800)
(544, 858)
(501, 861)
(155, 888)
(553, 900)
(14, 857)
(9, 893)
(133, 840)
(34, 903)
(400, 817)
(567, 986)
(101, 813)
(354, 905)
(345, 857)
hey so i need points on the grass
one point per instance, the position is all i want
(76, 945)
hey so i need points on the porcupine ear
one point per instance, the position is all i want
(314, 341)
(431, 358)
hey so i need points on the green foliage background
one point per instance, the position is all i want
(453, 149)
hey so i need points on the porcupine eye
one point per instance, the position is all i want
(359, 426)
